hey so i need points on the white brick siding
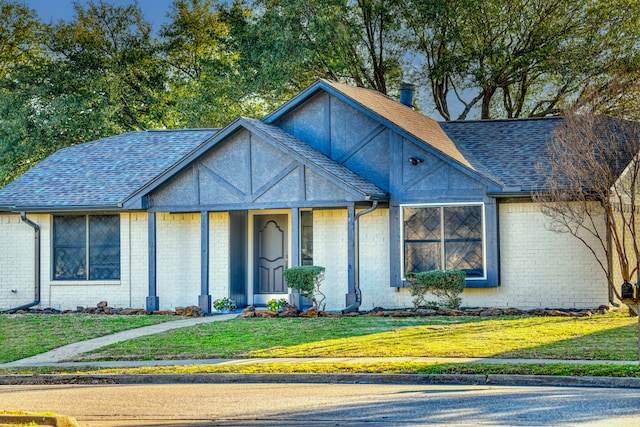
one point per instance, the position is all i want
(539, 268)
(17, 248)
(178, 259)
(218, 255)
(330, 251)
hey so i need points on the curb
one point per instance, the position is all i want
(55, 421)
(506, 380)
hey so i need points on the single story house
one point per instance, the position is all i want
(339, 176)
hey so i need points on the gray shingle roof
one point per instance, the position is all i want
(102, 173)
(506, 151)
(322, 162)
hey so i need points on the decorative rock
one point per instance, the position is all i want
(329, 314)
(492, 312)
(425, 312)
(180, 311)
(194, 311)
(538, 312)
(403, 313)
(265, 313)
(475, 311)
(102, 304)
(513, 312)
(289, 311)
(161, 312)
(444, 311)
(557, 313)
(310, 312)
(248, 312)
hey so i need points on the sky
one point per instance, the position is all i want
(54, 10)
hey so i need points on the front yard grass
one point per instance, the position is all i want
(605, 337)
(25, 335)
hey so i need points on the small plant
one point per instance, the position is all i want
(225, 303)
(276, 304)
(445, 284)
(306, 279)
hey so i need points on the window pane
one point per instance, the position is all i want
(463, 239)
(306, 237)
(422, 242)
(421, 223)
(69, 247)
(421, 256)
(104, 247)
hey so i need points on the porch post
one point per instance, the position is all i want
(153, 302)
(351, 251)
(294, 259)
(204, 300)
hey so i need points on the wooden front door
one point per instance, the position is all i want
(270, 255)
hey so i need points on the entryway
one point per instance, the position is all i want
(270, 248)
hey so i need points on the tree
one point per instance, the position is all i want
(591, 192)
(107, 56)
(288, 44)
(205, 80)
(518, 58)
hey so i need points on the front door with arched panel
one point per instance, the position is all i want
(270, 256)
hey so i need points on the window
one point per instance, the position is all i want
(306, 237)
(86, 247)
(444, 237)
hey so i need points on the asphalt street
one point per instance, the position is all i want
(182, 405)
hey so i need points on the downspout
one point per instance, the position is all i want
(36, 229)
(356, 260)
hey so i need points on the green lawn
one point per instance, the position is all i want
(606, 337)
(25, 335)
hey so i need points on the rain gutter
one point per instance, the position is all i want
(356, 261)
(36, 300)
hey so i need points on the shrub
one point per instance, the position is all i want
(276, 304)
(306, 279)
(224, 303)
(445, 284)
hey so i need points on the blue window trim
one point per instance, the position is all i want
(491, 239)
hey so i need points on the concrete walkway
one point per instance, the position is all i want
(68, 352)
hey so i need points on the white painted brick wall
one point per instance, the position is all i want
(540, 268)
(178, 259)
(16, 262)
(219, 255)
(330, 251)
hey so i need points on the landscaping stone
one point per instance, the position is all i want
(194, 311)
(310, 312)
(513, 312)
(248, 312)
(289, 311)
(265, 313)
(492, 312)
(444, 311)
(557, 313)
(329, 314)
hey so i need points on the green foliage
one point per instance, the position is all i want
(445, 284)
(306, 279)
(225, 303)
(276, 304)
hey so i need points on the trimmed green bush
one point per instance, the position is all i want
(306, 279)
(445, 284)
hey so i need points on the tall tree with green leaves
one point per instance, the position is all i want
(518, 58)
(288, 44)
(107, 56)
(204, 81)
